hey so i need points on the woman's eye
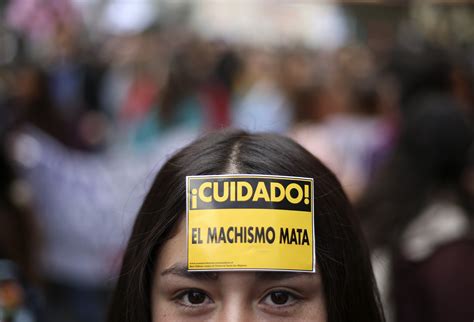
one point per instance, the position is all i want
(194, 298)
(279, 298)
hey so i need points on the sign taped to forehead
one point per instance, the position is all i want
(250, 222)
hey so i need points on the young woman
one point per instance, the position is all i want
(154, 284)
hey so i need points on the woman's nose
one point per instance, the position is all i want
(236, 310)
(237, 303)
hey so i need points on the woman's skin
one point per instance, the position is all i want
(179, 295)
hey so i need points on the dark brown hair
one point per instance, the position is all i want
(342, 257)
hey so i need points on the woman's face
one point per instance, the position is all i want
(179, 295)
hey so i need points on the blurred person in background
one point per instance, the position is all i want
(84, 203)
(418, 215)
(74, 84)
(220, 88)
(34, 137)
(343, 116)
(192, 97)
(259, 102)
(425, 67)
(181, 103)
(30, 102)
(19, 296)
(132, 84)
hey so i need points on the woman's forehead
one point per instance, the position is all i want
(172, 262)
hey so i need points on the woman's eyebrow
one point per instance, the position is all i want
(182, 271)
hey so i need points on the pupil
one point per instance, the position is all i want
(196, 297)
(279, 298)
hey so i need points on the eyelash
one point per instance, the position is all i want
(292, 299)
(179, 298)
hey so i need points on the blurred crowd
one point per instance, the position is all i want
(86, 120)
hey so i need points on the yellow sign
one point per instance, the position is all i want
(250, 222)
